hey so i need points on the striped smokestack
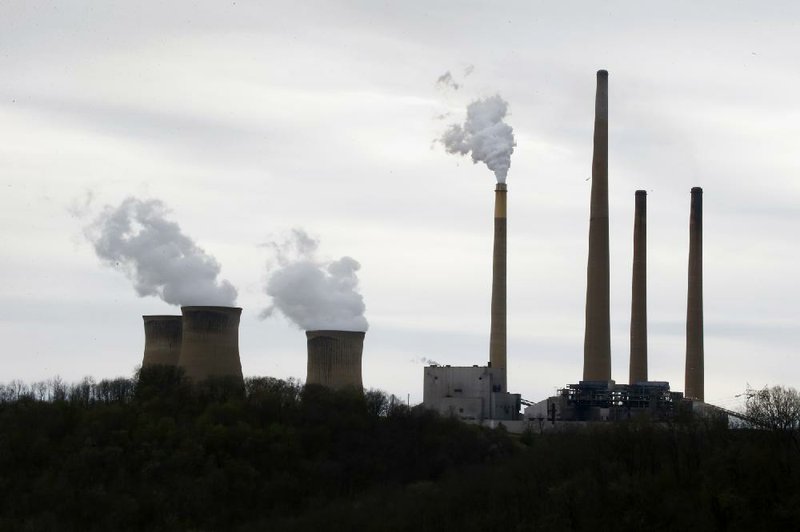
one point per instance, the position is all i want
(497, 336)
(638, 367)
(334, 359)
(597, 337)
(694, 308)
(210, 342)
(162, 340)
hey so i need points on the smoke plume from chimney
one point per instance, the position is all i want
(312, 293)
(156, 256)
(484, 135)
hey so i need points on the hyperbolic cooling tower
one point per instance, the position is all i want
(210, 342)
(694, 308)
(334, 358)
(597, 337)
(638, 367)
(497, 336)
(162, 340)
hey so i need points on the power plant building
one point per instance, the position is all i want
(474, 393)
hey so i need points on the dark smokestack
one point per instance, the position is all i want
(210, 342)
(597, 337)
(694, 307)
(334, 359)
(162, 340)
(638, 367)
(497, 336)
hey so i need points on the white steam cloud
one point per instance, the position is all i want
(484, 135)
(156, 256)
(312, 293)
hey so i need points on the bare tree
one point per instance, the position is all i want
(776, 408)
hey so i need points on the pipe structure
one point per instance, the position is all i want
(162, 340)
(694, 306)
(210, 342)
(334, 358)
(497, 336)
(638, 365)
(597, 336)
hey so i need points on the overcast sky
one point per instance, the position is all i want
(249, 119)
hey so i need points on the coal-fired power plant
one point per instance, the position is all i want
(597, 337)
(497, 336)
(638, 364)
(334, 359)
(162, 340)
(694, 308)
(210, 342)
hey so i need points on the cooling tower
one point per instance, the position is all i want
(694, 307)
(597, 337)
(210, 342)
(497, 336)
(334, 358)
(638, 367)
(162, 340)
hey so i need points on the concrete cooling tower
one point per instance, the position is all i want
(210, 342)
(334, 359)
(162, 340)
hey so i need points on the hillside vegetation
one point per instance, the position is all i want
(154, 453)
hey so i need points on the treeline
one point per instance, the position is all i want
(156, 453)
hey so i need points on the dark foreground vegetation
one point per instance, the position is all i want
(153, 453)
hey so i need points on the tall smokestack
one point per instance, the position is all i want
(638, 367)
(210, 342)
(694, 307)
(334, 358)
(162, 340)
(497, 336)
(597, 337)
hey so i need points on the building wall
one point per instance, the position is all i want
(472, 393)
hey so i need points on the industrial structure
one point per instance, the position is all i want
(694, 306)
(638, 364)
(162, 340)
(597, 397)
(210, 342)
(479, 393)
(334, 359)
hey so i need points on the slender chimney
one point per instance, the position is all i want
(694, 307)
(597, 337)
(162, 340)
(334, 359)
(210, 342)
(497, 336)
(638, 367)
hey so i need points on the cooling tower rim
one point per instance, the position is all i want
(212, 308)
(161, 317)
(312, 333)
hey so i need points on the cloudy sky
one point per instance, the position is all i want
(248, 119)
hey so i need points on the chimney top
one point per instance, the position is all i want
(697, 190)
(501, 186)
(602, 73)
(641, 193)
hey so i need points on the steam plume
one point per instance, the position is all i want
(312, 293)
(156, 256)
(485, 135)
